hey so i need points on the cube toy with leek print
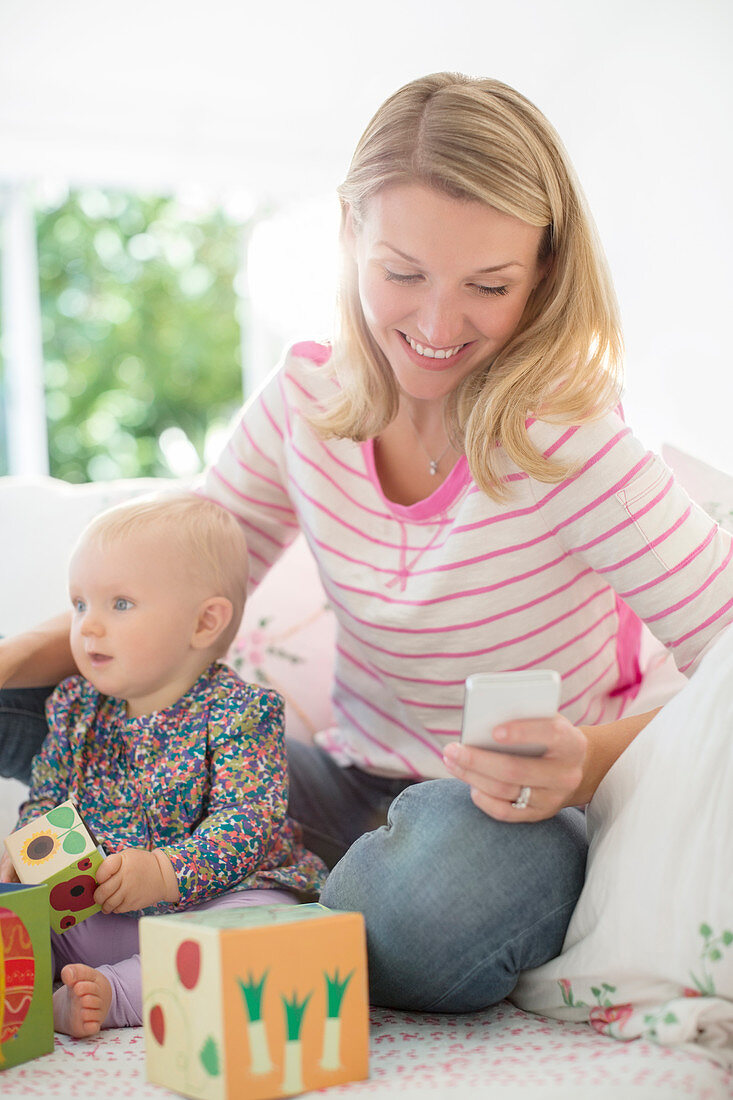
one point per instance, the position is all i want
(256, 1002)
(57, 848)
(26, 1021)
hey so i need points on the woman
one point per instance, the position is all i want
(474, 503)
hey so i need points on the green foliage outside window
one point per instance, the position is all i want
(140, 331)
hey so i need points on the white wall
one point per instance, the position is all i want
(270, 98)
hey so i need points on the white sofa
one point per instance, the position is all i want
(287, 641)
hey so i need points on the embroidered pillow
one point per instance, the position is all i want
(649, 949)
(287, 641)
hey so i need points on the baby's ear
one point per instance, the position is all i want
(214, 617)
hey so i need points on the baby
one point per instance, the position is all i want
(177, 765)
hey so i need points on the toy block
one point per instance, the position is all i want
(26, 1019)
(254, 1003)
(57, 848)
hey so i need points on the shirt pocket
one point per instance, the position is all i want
(656, 507)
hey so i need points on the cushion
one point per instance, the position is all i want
(287, 641)
(649, 948)
(710, 488)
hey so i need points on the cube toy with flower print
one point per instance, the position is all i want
(254, 1003)
(57, 848)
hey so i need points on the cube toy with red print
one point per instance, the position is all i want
(57, 848)
(26, 1025)
(255, 1003)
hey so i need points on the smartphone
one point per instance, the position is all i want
(493, 698)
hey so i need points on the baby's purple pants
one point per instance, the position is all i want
(110, 943)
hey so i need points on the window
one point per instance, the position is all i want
(141, 340)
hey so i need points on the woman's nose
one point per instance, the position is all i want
(440, 321)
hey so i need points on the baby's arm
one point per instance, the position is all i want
(248, 796)
(134, 879)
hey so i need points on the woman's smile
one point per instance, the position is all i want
(443, 283)
(445, 356)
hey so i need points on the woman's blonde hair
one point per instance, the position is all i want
(481, 141)
(209, 540)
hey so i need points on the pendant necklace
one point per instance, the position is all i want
(433, 463)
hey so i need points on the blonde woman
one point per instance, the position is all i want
(463, 475)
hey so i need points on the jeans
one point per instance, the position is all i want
(334, 805)
(22, 729)
(455, 903)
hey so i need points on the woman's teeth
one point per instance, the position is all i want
(433, 353)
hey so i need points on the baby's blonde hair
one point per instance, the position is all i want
(481, 141)
(209, 539)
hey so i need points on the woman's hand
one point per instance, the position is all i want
(539, 785)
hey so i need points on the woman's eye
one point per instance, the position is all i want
(122, 604)
(397, 277)
(490, 291)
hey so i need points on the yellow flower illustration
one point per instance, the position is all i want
(39, 848)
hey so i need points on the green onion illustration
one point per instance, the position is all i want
(252, 992)
(294, 1013)
(335, 989)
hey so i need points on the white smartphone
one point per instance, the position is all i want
(493, 698)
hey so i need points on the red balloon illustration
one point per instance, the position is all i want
(18, 963)
(157, 1024)
(188, 963)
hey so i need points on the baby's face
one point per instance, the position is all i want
(133, 616)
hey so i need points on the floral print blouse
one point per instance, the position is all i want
(204, 780)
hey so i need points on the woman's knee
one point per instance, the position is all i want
(22, 729)
(455, 903)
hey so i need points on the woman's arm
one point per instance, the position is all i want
(623, 514)
(605, 745)
(39, 656)
(568, 774)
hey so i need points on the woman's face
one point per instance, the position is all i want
(443, 283)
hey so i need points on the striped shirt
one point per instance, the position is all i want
(424, 595)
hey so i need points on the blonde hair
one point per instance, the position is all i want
(209, 540)
(481, 141)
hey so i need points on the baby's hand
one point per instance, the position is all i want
(132, 879)
(7, 870)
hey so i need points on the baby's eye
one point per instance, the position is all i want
(121, 604)
(78, 604)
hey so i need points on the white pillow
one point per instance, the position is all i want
(649, 949)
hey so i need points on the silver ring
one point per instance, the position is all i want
(522, 800)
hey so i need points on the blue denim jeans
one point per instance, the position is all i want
(455, 903)
(22, 729)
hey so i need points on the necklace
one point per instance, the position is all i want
(433, 463)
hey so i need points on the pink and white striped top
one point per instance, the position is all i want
(427, 594)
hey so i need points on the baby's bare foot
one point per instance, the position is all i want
(82, 1002)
